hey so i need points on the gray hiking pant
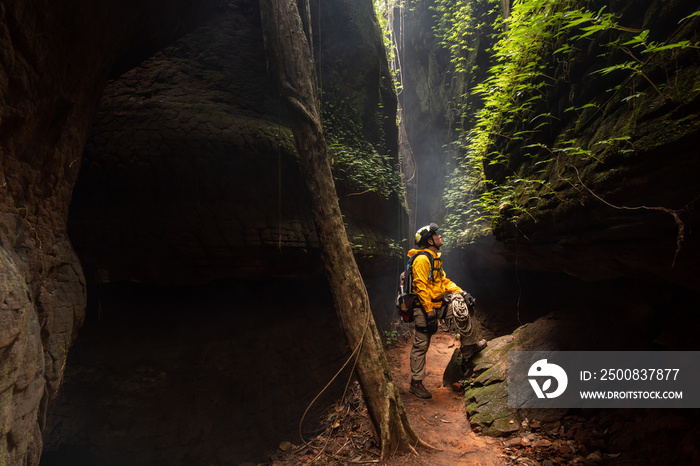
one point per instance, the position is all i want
(421, 341)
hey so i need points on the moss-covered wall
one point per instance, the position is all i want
(586, 162)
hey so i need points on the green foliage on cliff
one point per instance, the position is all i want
(462, 25)
(367, 166)
(528, 132)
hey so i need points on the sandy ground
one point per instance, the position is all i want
(441, 420)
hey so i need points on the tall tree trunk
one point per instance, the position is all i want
(290, 58)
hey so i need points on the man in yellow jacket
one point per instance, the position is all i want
(431, 284)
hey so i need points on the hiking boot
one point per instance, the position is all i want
(419, 390)
(469, 350)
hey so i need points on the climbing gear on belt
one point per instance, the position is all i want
(431, 323)
(419, 390)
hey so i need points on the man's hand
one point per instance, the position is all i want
(469, 299)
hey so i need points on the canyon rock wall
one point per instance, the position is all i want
(54, 61)
(191, 172)
(623, 206)
(436, 99)
(140, 215)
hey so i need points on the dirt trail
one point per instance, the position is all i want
(620, 437)
(441, 420)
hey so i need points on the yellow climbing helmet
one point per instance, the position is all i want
(425, 233)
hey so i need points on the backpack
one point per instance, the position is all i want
(407, 300)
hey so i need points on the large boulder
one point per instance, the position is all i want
(486, 394)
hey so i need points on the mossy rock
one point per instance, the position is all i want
(491, 364)
(487, 407)
(486, 396)
(486, 399)
(454, 372)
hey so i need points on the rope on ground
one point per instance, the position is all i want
(356, 355)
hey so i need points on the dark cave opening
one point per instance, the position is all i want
(211, 374)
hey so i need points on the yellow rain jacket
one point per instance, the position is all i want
(430, 289)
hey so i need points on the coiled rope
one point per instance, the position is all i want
(457, 315)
